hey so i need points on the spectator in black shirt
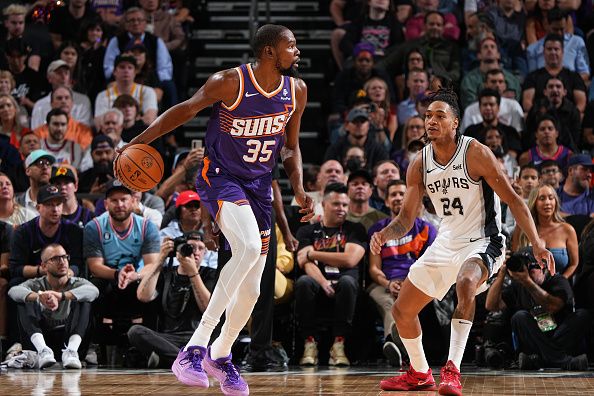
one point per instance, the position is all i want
(30, 84)
(489, 101)
(94, 180)
(49, 227)
(556, 104)
(357, 127)
(14, 22)
(66, 21)
(182, 297)
(5, 236)
(536, 81)
(549, 331)
(329, 255)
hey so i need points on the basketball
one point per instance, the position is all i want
(139, 167)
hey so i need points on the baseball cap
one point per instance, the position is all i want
(62, 171)
(99, 140)
(363, 47)
(124, 58)
(37, 155)
(360, 173)
(186, 197)
(48, 192)
(55, 65)
(357, 113)
(115, 184)
(580, 159)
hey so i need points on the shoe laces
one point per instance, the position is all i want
(448, 374)
(229, 368)
(194, 357)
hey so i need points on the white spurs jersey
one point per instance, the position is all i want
(469, 209)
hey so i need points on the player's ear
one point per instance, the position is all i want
(269, 51)
(456, 122)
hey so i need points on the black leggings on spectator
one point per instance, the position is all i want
(32, 321)
(307, 293)
(556, 349)
(166, 345)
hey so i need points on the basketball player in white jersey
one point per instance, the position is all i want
(464, 181)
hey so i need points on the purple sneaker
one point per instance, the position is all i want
(225, 371)
(188, 367)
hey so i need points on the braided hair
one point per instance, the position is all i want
(448, 96)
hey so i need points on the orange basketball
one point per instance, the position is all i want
(139, 167)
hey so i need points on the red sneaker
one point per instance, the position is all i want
(450, 380)
(410, 381)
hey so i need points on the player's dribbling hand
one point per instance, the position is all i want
(307, 207)
(376, 243)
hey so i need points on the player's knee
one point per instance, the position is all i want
(466, 286)
(399, 313)
(252, 248)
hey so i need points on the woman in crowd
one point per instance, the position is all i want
(10, 122)
(537, 24)
(7, 86)
(560, 237)
(92, 43)
(377, 91)
(414, 130)
(495, 140)
(10, 211)
(69, 52)
(414, 60)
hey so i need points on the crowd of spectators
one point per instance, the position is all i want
(98, 273)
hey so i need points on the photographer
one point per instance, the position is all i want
(182, 295)
(548, 331)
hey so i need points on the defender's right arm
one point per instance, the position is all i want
(413, 199)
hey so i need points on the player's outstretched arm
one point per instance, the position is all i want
(483, 164)
(221, 86)
(291, 153)
(413, 199)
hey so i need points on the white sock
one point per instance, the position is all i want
(414, 348)
(74, 342)
(38, 342)
(459, 336)
(239, 310)
(240, 227)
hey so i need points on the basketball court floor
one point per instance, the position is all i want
(296, 381)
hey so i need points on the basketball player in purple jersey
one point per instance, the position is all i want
(256, 116)
(464, 181)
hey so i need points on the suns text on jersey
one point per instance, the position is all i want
(259, 126)
(447, 183)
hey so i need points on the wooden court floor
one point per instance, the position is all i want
(322, 381)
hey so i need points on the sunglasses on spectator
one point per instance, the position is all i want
(43, 162)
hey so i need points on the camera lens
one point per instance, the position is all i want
(186, 250)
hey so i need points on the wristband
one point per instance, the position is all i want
(63, 296)
(116, 274)
(191, 276)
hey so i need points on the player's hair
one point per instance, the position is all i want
(267, 35)
(487, 93)
(56, 112)
(339, 188)
(447, 96)
(396, 182)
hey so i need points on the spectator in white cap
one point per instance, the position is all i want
(58, 74)
(38, 167)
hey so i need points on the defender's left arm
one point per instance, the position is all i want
(483, 164)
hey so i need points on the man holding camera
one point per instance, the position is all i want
(549, 330)
(182, 297)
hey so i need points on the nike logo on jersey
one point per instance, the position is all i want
(430, 170)
(475, 239)
(247, 95)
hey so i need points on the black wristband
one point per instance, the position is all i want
(63, 296)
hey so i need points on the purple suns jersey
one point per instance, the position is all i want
(244, 139)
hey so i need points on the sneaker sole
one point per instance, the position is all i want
(331, 362)
(448, 390)
(72, 366)
(393, 355)
(191, 381)
(389, 387)
(47, 364)
(214, 372)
